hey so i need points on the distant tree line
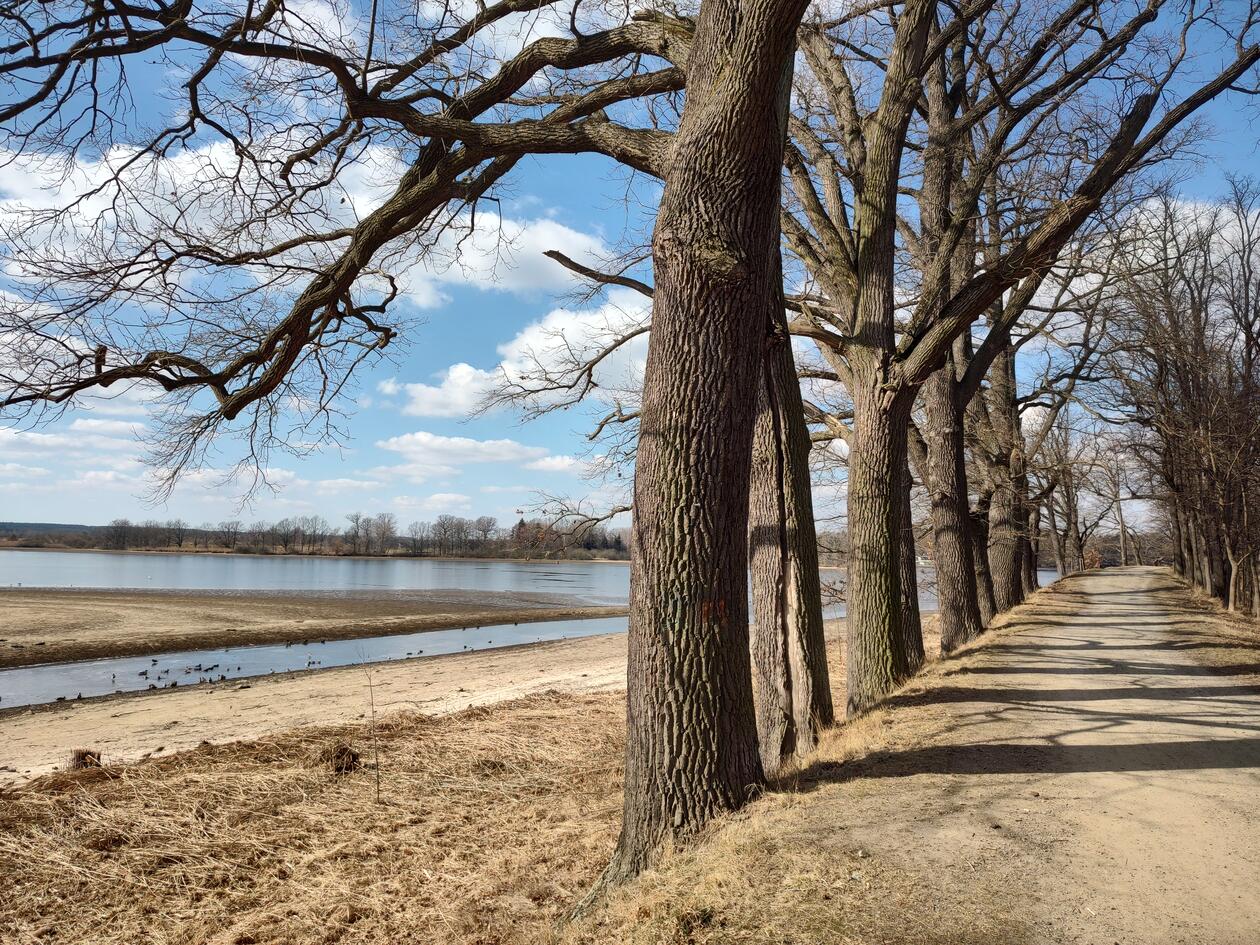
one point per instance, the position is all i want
(362, 534)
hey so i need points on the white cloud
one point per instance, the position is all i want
(202, 195)
(440, 503)
(491, 252)
(567, 464)
(107, 427)
(18, 471)
(427, 455)
(565, 337)
(20, 443)
(336, 486)
(460, 391)
(555, 346)
(104, 478)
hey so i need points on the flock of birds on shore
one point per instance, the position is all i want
(204, 671)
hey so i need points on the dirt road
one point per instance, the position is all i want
(1095, 770)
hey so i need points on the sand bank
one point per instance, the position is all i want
(128, 728)
(57, 625)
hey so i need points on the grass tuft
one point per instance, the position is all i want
(339, 756)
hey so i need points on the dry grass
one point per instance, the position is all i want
(493, 823)
(785, 871)
(339, 757)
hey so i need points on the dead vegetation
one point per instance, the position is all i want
(493, 823)
(338, 756)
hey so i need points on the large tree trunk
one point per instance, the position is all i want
(1220, 564)
(1005, 545)
(1235, 577)
(876, 660)
(958, 607)
(1198, 573)
(1057, 538)
(691, 741)
(789, 653)
(1076, 544)
(911, 619)
(1032, 543)
(1006, 516)
(980, 555)
(1255, 588)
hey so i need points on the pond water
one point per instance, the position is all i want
(33, 685)
(598, 582)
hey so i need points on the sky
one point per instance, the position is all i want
(410, 444)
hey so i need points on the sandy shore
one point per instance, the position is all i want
(128, 728)
(56, 625)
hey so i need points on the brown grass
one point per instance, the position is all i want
(784, 872)
(493, 823)
(339, 757)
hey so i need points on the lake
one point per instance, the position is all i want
(596, 582)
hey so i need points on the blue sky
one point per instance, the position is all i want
(409, 446)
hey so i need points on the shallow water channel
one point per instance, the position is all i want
(52, 682)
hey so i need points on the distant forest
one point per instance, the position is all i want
(377, 535)
(452, 536)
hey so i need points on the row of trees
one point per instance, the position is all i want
(907, 192)
(447, 535)
(1188, 369)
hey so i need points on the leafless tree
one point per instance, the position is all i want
(224, 257)
(1188, 372)
(973, 112)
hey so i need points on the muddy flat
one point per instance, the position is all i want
(58, 625)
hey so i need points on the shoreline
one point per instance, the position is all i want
(241, 683)
(271, 554)
(66, 625)
(130, 727)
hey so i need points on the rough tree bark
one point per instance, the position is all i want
(980, 555)
(876, 659)
(789, 653)
(691, 745)
(911, 619)
(958, 610)
(1005, 513)
(1032, 544)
